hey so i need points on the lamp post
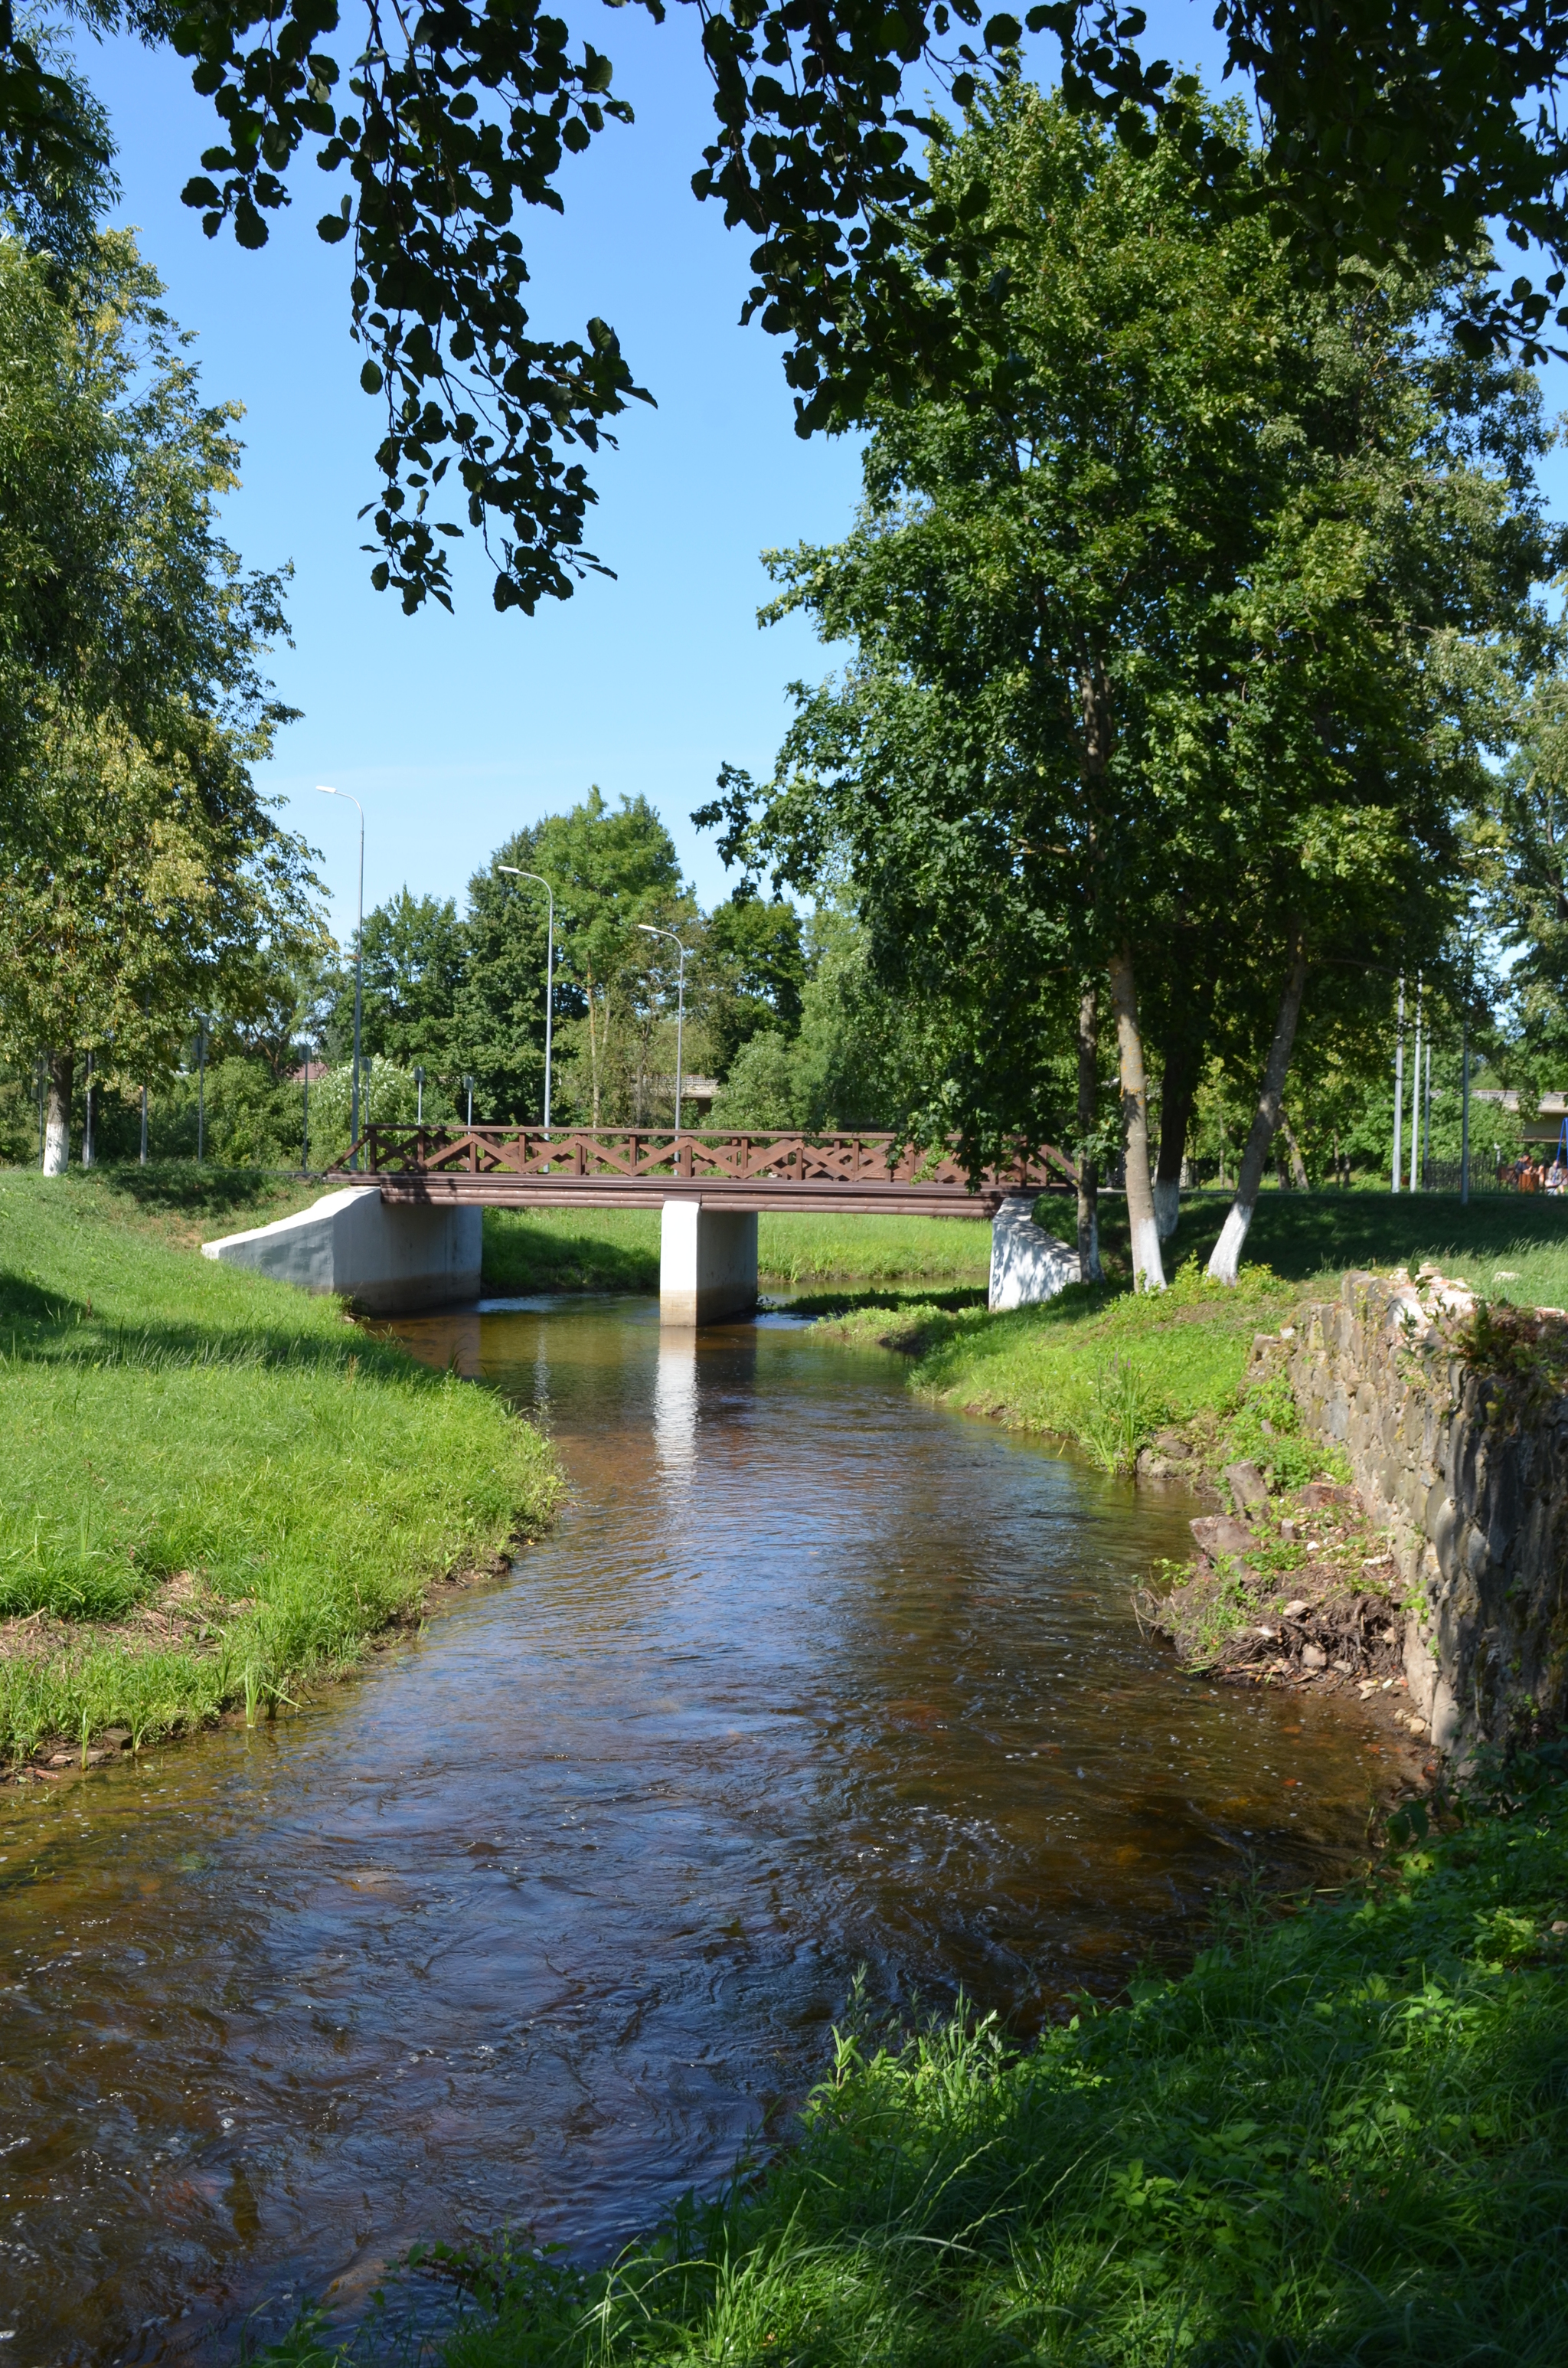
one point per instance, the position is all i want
(468, 1088)
(200, 1091)
(548, 968)
(358, 967)
(305, 1136)
(649, 931)
(419, 1093)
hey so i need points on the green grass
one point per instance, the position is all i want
(1307, 1236)
(1095, 1365)
(618, 1249)
(1340, 2138)
(183, 1436)
(1106, 1371)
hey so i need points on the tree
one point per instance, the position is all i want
(609, 868)
(414, 954)
(1390, 138)
(1156, 648)
(845, 1063)
(141, 877)
(1521, 852)
(751, 974)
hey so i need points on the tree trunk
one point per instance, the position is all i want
(1227, 1255)
(1178, 1089)
(1298, 1175)
(1148, 1274)
(60, 1068)
(1089, 1266)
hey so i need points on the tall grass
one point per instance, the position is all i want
(167, 1417)
(1341, 2138)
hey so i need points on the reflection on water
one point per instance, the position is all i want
(535, 1922)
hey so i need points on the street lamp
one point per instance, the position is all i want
(358, 967)
(548, 968)
(649, 931)
(419, 1089)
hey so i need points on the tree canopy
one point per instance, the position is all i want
(1178, 637)
(142, 878)
(1391, 139)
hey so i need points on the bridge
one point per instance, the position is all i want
(402, 1230)
(522, 1167)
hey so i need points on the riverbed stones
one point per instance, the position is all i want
(1218, 1533)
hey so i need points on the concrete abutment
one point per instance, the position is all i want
(384, 1259)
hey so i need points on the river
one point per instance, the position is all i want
(546, 1915)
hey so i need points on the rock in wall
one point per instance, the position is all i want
(1471, 1475)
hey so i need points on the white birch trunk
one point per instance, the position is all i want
(1227, 1254)
(1089, 1266)
(1148, 1272)
(57, 1114)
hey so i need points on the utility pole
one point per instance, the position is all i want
(1415, 1084)
(1398, 1084)
(1464, 1111)
(358, 967)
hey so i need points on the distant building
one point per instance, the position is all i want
(1547, 1125)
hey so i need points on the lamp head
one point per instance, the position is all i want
(323, 791)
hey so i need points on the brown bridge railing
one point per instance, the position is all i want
(507, 1162)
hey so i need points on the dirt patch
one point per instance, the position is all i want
(180, 1612)
(1296, 1589)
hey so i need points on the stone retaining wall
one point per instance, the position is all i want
(1475, 1497)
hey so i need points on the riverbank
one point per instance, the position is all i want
(1289, 1583)
(618, 1249)
(1338, 2138)
(215, 1487)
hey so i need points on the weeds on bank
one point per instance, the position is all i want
(1340, 2138)
(207, 1474)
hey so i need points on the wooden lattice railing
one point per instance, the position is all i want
(658, 1153)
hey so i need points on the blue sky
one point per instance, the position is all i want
(454, 730)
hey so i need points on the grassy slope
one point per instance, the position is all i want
(1340, 2138)
(1311, 1236)
(1106, 1370)
(618, 1249)
(169, 1419)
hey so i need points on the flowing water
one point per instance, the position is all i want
(544, 1917)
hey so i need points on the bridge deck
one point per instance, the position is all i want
(503, 1167)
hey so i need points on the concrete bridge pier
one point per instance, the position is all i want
(707, 1264)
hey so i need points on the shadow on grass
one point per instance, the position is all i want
(50, 1328)
(1304, 1233)
(179, 1188)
